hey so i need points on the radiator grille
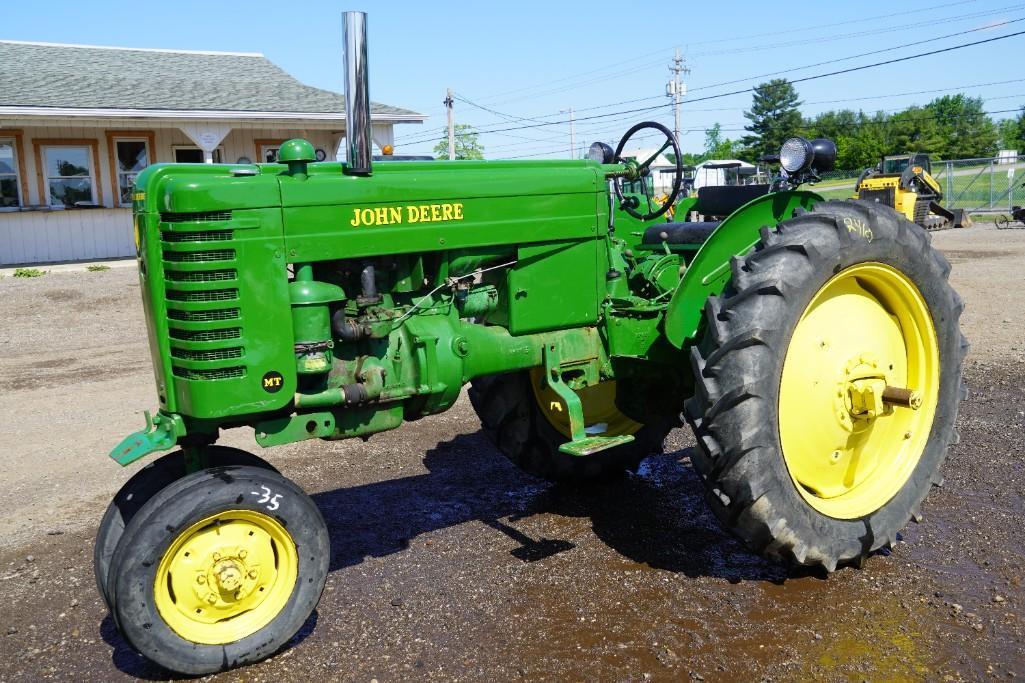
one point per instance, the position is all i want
(203, 316)
(199, 256)
(212, 354)
(198, 217)
(202, 236)
(203, 295)
(206, 335)
(202, 275)
(188, 292)
(218, 373)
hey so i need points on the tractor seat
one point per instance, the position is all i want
(679, 233)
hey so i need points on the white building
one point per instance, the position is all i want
(722, 172)
(78, 123)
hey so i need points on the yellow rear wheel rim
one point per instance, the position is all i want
(847, 452)
(226, 577)
(601, 416)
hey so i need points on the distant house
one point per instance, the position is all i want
(78, 123)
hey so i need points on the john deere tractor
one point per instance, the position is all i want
(813, 347)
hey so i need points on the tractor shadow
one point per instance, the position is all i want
(657, 517)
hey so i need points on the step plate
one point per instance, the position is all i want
(594, 444)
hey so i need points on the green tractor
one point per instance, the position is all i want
(813, 346)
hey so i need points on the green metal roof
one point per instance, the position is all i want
(72, 76)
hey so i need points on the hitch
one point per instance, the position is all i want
(161, 433)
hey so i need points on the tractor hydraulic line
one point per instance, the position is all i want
(347, 329)
(368, 389)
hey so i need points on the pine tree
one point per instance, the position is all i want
(774, 117)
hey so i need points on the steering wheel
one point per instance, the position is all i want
(643, 170)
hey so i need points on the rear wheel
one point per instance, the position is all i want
(827, 384)
(219, 569)
(527, 422)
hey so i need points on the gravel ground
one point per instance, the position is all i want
(448, 563)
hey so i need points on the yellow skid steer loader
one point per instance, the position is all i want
(905, 182)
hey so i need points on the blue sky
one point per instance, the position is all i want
(532, 59)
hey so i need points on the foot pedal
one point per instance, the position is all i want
(593, 444)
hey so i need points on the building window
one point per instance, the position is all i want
(69, 176)
(10, 193)
(269, 154)
(131, 157)
(193, 155)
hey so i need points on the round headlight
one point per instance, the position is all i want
(795, 155)
(601, 153)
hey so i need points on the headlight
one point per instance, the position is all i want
(795, 155)
(798, 154)
(601, 153)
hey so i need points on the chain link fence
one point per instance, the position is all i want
(988, 185)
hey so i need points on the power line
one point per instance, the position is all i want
(538, 118)
(751, 89)
(637, 58)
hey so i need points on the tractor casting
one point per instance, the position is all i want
(813, 347)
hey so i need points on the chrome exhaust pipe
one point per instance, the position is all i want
(358, 137)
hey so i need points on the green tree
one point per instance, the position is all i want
(1012, 132)
(718, 147)
(964, 128)
(774, 117)
(916, 129)
(467, 143)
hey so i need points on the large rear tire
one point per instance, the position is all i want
(801, 457)
(519, 417)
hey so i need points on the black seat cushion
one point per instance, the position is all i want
(679, 233)
(722, 200)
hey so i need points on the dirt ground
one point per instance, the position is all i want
(449, 564)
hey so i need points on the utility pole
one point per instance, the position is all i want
(451, 127)
(676, 89)
(572, 133)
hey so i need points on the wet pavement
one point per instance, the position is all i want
(448, 563)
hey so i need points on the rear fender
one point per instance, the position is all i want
(709, 271)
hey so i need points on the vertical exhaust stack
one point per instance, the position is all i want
(357, 94)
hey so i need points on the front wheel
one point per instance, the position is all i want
(827, 384)
(221, 568)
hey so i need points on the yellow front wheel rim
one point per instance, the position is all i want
(226, 577)
(866, 331)
(601, 416)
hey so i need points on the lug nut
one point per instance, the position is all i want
(242, 554)
(211, 598)
(252, 573)
(201, 579)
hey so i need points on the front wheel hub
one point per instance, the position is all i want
(226, 577)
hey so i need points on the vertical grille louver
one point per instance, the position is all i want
(203, 298)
